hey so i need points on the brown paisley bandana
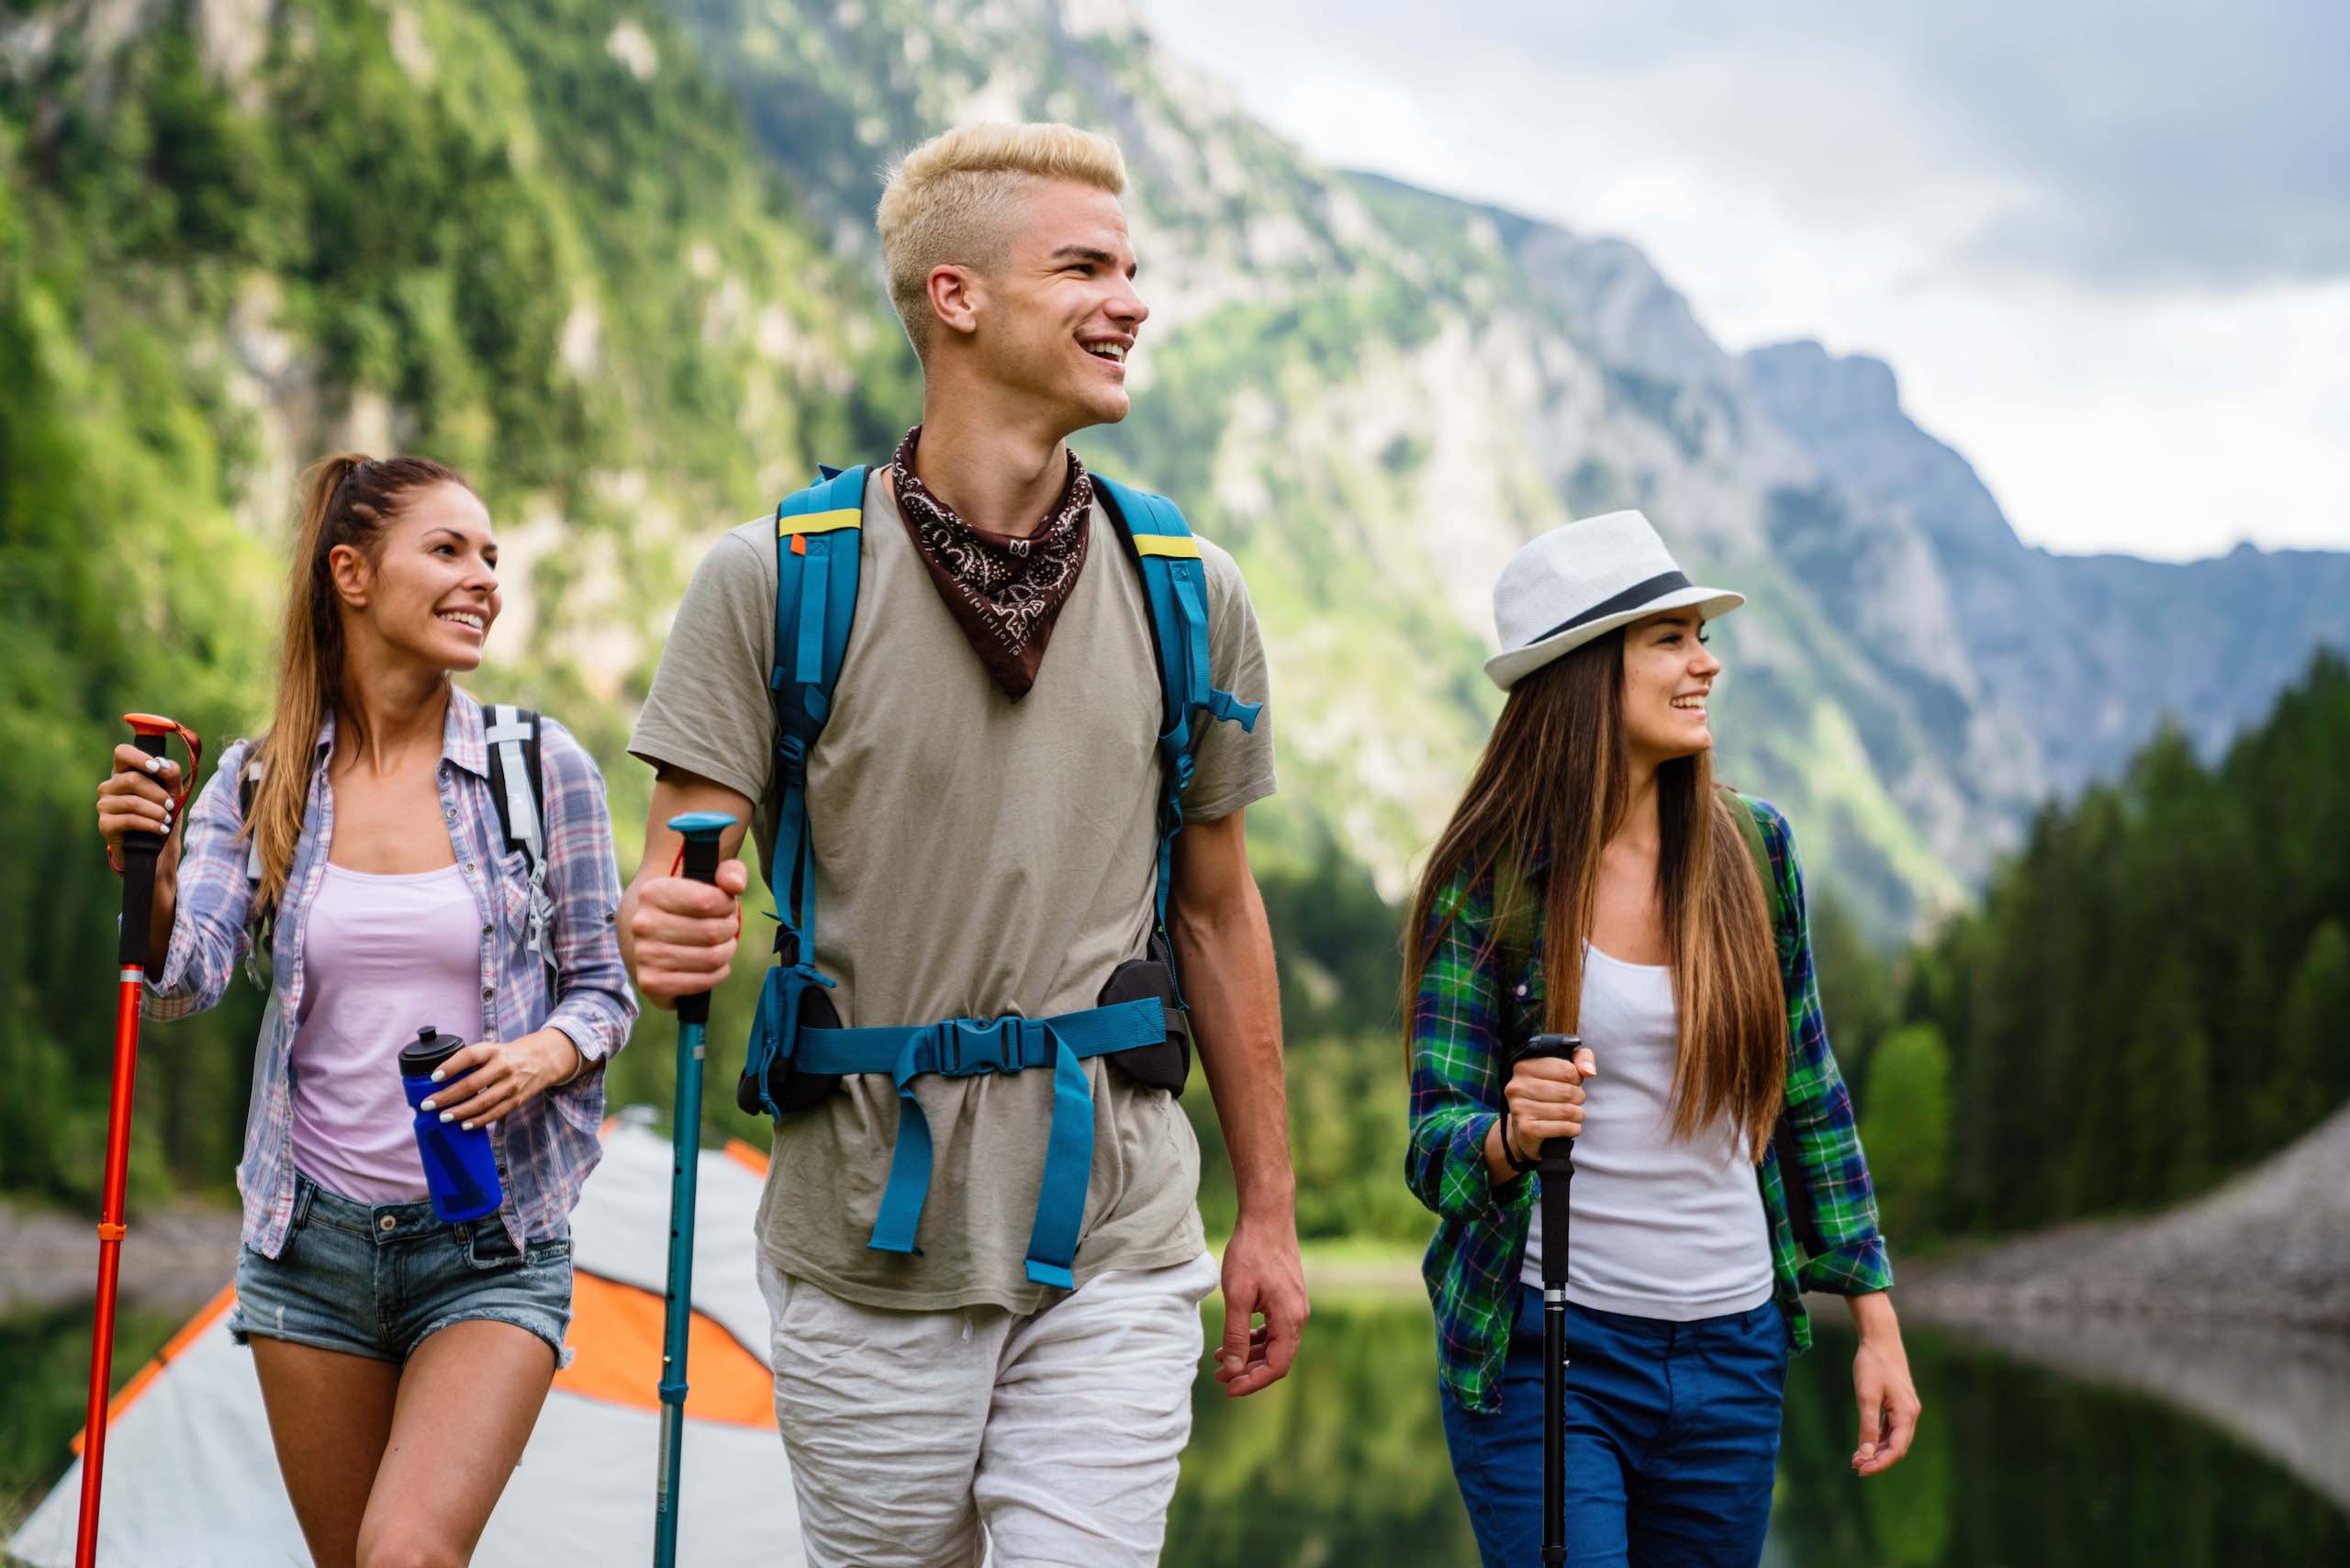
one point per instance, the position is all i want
(1005, 592)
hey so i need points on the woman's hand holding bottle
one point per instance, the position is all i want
(491, 1079)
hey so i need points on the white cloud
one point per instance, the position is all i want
(2108, 258)
(1381, 124)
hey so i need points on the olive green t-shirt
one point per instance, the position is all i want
(974, 856)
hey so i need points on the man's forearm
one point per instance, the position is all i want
(627, 928)
(1225, 956)
(675, 792)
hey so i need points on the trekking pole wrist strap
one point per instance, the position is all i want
(1509, 1148)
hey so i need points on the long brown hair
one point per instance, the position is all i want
(346, 500)
(1556, 775)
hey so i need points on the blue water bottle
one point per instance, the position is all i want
(460, 1167)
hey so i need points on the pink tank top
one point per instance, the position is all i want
(384, 956)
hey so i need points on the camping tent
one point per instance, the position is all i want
(191, 1480)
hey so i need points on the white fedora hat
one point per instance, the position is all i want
(1582, 581)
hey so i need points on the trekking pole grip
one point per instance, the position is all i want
(140, 852)
(1556, 1167)
(702, 832)
(1558, 1153)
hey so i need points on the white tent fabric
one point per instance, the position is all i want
(192, 1481)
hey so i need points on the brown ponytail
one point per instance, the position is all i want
(346, 500)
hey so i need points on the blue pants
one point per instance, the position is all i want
(1672, 1440)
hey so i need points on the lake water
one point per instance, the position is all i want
(2015, 1467)
(1344, 1463)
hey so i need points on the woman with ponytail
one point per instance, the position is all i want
(1595, 882)
(402, 1359)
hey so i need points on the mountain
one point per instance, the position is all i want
(615, 260)
(1373, 393)
(2090, 653)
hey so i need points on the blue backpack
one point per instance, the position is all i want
(798, 1050)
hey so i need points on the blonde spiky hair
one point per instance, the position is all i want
(947, 201)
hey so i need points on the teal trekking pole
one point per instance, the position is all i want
(698, 856)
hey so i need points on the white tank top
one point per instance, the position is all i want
(1662, 1227)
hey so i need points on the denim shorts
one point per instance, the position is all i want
(377, 1280)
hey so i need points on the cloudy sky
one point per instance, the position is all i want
(2105, 246)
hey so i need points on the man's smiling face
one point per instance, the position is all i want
(1061, 316)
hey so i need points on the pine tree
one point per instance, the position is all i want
(2190, 1112)
(1906, 1127)
(1856, 989)
(2156, 990)
(2312, 1074)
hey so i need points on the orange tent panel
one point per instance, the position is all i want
(616, 1332)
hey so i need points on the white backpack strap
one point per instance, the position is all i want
(512, 731)
(252, 844)
(261, 927)
(509, 731)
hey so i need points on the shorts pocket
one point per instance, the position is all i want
(486, 1248)
(1763, 1335)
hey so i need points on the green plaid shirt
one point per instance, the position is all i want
(1469, 1016)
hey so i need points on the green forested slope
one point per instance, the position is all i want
(2154, 993)
(471, 231)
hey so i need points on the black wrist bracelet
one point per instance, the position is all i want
(1509, 1150)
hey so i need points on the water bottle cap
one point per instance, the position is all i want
(428, 1050)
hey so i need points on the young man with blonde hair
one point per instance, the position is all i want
(998, 1358)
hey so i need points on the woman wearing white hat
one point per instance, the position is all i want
(1594, 882)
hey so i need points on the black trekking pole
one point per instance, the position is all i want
(1557, 1169)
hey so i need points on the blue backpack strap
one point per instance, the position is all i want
(818, 531)
(817, 536)
(1175, 585)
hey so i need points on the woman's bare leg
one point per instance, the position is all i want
(329, 1417)
(469, 1398)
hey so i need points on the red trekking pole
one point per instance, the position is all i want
(140, 851)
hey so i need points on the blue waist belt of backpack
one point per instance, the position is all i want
(965, 1048)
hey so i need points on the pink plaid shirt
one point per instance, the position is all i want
(545, 1149)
